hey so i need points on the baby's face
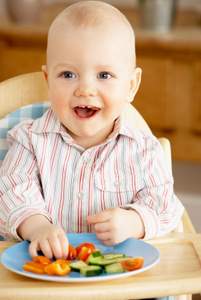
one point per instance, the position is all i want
(90, 76)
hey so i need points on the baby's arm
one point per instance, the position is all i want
(22, 207)
(44, 236)
(158, 206)
(154, 211)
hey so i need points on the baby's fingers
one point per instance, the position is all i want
(34, 248)
(56, 246)
(102, 227)
(64, 245)
(43, 245)
(101, 217)
(103, 236)
(46, 248)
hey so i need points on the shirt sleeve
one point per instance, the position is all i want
(156, 203)
(20, 189)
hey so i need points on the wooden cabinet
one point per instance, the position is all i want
(22, 49)
(170, 94)
(18, 60)
(196, 101)
(153, 100)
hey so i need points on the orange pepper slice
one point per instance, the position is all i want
(59, 267)
(42, 260)
(63, 261)
(34, 267)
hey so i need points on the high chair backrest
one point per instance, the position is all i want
(32, 88)
(22, 90)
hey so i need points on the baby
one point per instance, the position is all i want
(82, 166)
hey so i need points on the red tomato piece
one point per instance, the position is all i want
(132, 264)
(87, 245)
(84, 253)
(72, 252)
(84, 250)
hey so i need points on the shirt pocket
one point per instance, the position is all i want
(120, 183)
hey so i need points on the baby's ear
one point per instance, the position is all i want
(135, 82)
(44, 70)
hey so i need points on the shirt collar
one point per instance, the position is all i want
(49, 123)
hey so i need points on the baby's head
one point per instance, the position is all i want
(91, 69)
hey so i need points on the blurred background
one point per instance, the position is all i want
(168, 45)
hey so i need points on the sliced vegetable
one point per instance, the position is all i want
(59, 267)
(84, 250)
(88, 245)
(42, 260)
(95, 258)
(96, 253)
(62, 261)
(132, 264)
(113, 255)
(78, 265)
(72, 252)
(90, 262)
(84, 253)
(91, 271)
(114, 268)
(101, 261)
(34, 267)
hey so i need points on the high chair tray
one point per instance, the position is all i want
(177, 273)
(16, 256)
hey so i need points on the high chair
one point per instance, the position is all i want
(32, 88)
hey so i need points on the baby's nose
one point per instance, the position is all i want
(85, 91)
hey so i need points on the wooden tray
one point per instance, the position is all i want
(179, 272)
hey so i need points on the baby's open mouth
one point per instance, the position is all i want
(86, 111)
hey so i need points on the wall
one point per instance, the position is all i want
(133, 2)
(183, 3)
(188, 188)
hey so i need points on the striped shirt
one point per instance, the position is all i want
(46, 172)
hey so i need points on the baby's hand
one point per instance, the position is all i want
(51, 240)
(115, 225)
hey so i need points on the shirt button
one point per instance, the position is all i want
(80, 195)
(85, 159)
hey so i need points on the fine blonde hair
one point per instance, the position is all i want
(91, 14)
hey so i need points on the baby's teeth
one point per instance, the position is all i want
(88, 107)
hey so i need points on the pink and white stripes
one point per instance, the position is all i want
(45, 172)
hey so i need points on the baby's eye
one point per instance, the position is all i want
(68, 75)
(104, 75)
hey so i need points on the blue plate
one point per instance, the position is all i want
(14, 257)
